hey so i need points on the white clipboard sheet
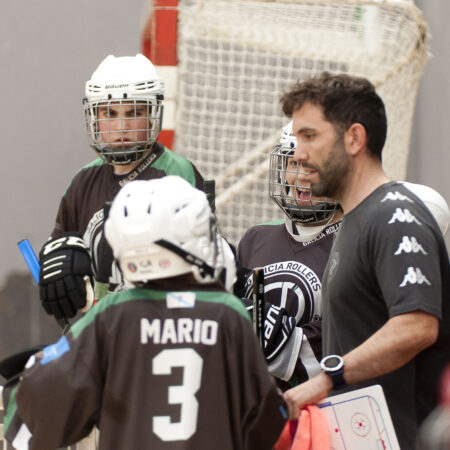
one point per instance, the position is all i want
(359, 420)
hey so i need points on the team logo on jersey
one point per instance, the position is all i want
(294, 286)
(414, 276)
(139, 169)
(180, 300)
(403, 215)
(396, 196)
(410, 245)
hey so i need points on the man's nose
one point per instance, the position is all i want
(300, 154)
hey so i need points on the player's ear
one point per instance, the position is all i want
(355, 138)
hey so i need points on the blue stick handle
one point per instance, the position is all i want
(30, 258)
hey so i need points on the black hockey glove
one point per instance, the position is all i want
(278, 327)
(65, 262)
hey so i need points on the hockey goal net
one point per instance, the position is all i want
(235, 58)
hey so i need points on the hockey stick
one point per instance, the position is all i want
(209, 186)
(258, 304)
(32, 261)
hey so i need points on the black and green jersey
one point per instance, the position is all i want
(81, 207)
(153, 369)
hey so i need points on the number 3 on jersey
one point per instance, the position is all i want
(183, 394)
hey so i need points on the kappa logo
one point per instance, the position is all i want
(396, 196)
(414, 276)
(403, 216)
(410, 245)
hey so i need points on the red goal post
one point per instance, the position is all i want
(226, 63)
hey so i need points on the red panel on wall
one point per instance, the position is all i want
(159, 39)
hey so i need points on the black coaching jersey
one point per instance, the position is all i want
(81, 207)
(293, 279)
(153, 370)
(389, 258)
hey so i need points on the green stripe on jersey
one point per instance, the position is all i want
(151, 295)
(174, 164)
(11, 410)
(96, 162)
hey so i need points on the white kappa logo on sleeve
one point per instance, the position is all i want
(414, 276)
(403, 216)
(409, 245)
(396, 196)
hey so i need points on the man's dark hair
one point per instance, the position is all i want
(345, 100)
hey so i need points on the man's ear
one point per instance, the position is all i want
(355, 138)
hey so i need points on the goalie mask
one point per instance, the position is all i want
(286, 188)
(163, 228)
(123, 109)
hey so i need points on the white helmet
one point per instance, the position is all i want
(434, 202)
(280, 190)
(120, 92)
(162, 228)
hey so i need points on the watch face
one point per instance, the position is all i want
(332, 362)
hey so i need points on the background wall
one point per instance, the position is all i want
(48, 49)
(429, 161)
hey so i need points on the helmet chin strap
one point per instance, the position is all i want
(110, 153)
(302, 233)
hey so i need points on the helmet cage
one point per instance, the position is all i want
(284, 193)
(132, 140)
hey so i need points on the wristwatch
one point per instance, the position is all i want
(333, 366)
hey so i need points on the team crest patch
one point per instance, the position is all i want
(293, 286)
(180, 300)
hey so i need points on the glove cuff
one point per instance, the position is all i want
(284, 364)
(62, 241)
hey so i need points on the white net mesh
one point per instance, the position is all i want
(236, 58)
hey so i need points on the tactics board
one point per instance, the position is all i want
(360, 419)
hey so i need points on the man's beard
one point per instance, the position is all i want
(333, 173)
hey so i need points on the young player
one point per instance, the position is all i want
(123, 109)
(293, 253)
(386, 316)
(172, 363)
